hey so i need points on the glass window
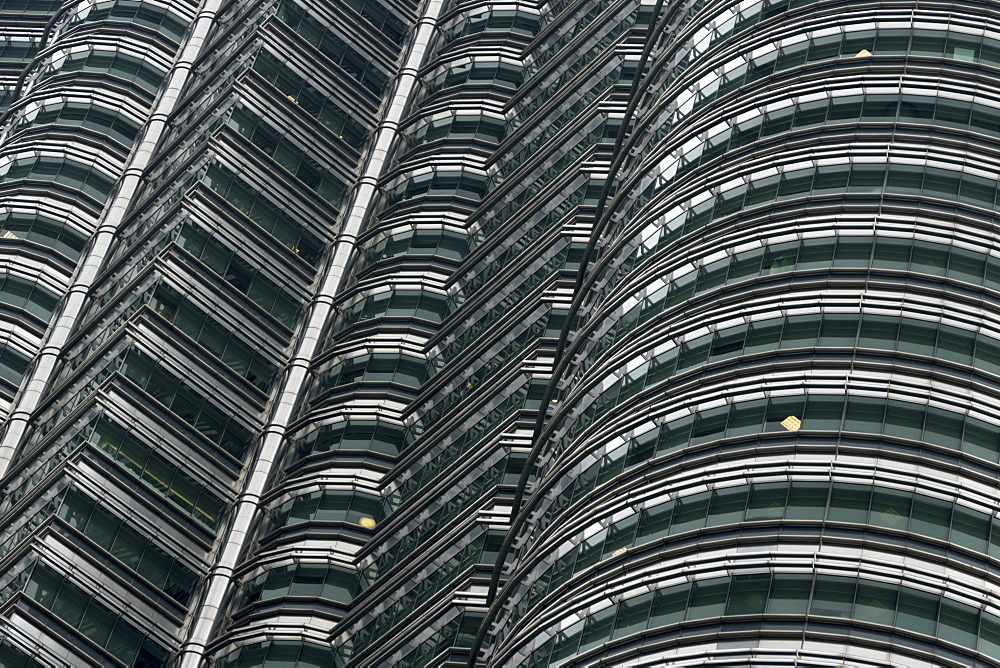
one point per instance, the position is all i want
(917, 337)
(866, 177)
(956, 344)
(831, 178)
(970, 529)
(669, 605)
(747, 418)
(823, 412)
(807, 501)
(767, 501)
(780, 409)
(655, 522)
(931, 517)
(876, 602)
(845, 108)
(977, 191)
(789, 594)
(943, 428)
(566, 643)
(710, 425)
(941, 183)
(849, 503)
(928, 43)
(959, 623)
(632, 615)
(879, 332)
(967, 266)
(893, 253)
(905, 179)
(708, 598)
(952, 113)
(690, 513)
(728, 505)
(989, 635)
(800, 331)
(833, 596)
(980, 439)
(598, 628)
(748, 595)
(891, 508)
(864, 415)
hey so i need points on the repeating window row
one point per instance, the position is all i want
(186, 403)
(620, 72)
(381, 17)
(20, 293)
(861, 178)
(59, 236)
(127, 545)
(439, 242)
(334, 583)
(925, 110)
(233, 351)
(849, 252)
(851, 42)
(77, 175)
(465, 438)
(83, 612)
(583, 190)
(481, 550)
(166, 478)
(351, 434)
(13, 364)
(120, 65)
(341, 52)
(316, 103)
(841, 598)
(289, 155)
(30, 6)
(326, 506)
(382, 368)
(578, 24)
(460, 631)
(505, 21)
(438, 183)
(861, 505)
(497, 73)
(595, 46)
(396, 303)
(458, 127)
(852, 414)
(598, 130)
(251, 201)
(243, 276)
(816, 330)
(140, 13)
(523, 337)
(278, 653)
(117, 126)
(506, 471)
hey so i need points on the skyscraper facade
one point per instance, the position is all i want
(471, 333)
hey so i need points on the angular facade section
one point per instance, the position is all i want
(136, 446)
(78, 83)
(479, 333)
